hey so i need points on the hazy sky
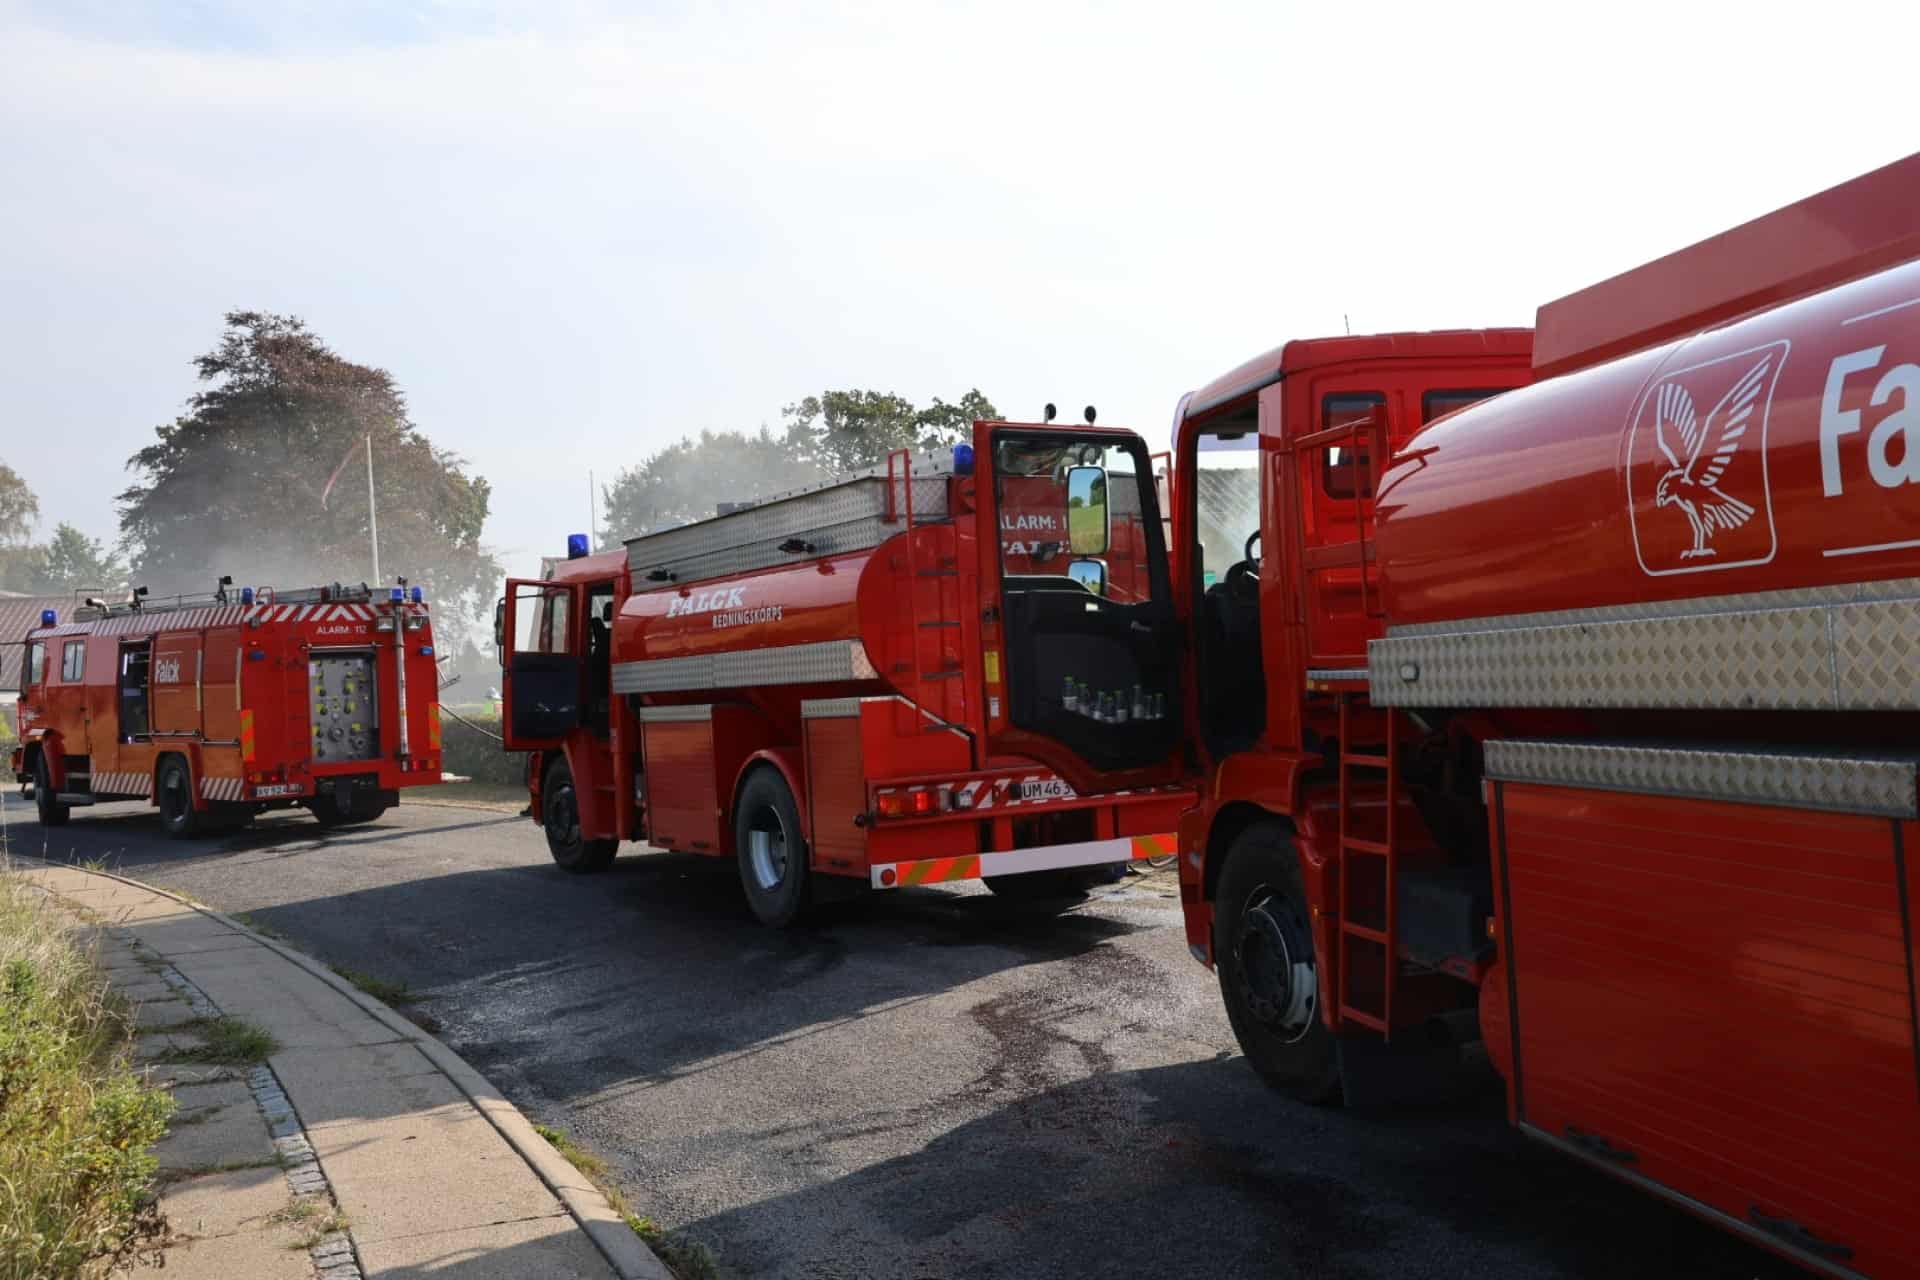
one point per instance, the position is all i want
(574, 232)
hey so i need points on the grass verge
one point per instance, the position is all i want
(687, 1259)
(77, 1125)
(384, 990)
(230, 1042)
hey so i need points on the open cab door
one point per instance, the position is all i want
(1088, 636)
(543, 681)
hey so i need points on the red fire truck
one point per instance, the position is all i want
(959, 665)
(1585, 716)
(216, 708)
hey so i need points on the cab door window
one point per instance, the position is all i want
(73, 661)
(35, 669)
(1090, 646)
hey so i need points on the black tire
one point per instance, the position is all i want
(770, 850)
(173, 793)
(1269, 976)
(52, 812)
(560, 819)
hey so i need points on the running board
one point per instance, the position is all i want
(74, 798)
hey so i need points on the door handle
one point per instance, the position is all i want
(1789, 1232)
(1595, 1145)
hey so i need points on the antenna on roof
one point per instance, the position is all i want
(1346, 322)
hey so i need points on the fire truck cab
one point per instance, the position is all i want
(961, 665)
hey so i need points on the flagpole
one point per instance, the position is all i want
(593, 514)
(373, 514)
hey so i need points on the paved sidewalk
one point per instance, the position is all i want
(362, 1148)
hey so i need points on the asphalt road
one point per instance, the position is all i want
(926, 1083)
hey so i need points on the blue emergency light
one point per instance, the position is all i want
(49, 618)
(577, 546)
(963, 459)
(246, 595)
(397, 594)
(416, 595)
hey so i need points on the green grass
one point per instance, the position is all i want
(264, 930)
(229, 1042)
(77, 1125)
(384, 990)
(687, 1259)
(1087, 527)
(315, 1216)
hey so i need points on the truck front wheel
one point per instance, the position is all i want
(773, 857)
(560, 817)
(52, 812)
(1269, 978)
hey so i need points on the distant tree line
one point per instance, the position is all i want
(68, 561)
(831, 434)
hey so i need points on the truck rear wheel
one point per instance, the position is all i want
(52, 812)
(773, 857)
(560, 817)
(1269, 977)
(173, 792)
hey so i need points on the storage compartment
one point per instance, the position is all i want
(1718, 999)
(836, 785)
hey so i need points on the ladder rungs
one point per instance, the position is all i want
(1364, 1018)
(1365, 931)
(1355, 844)
(1370, 762)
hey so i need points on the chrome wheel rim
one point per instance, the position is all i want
(767, 850)
(1277, 978)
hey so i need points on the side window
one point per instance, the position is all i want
(1436, 403)
(553, 628)
(1346, 470)
(73, 661)
(36, 663)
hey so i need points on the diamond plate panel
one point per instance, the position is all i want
(1883, 786)
(1780, 659)
(1876, 655)
(830, 708)
(1750, 602)
(823, 662)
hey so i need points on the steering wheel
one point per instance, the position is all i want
(1245, 576)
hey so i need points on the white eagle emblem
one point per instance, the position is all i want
(1695, 469)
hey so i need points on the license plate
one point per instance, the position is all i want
(276, 789)
(1046, 789)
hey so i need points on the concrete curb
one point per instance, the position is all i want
(623, 1250)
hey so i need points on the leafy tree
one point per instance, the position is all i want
(234, 485)
(19, 508)
(72, 561)
(830, 434)
(843, 431)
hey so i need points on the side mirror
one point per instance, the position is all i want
(1088, 529)
(500, 630)
(1091, 574)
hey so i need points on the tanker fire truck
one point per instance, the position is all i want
(960, 665)
(216, 708)
(1585, 717)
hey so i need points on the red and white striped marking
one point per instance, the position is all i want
(123, 784)
(1087, 853)
(216, 616)
(222, 788)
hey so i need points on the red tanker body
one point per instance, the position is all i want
(1611, 767)
(219, 707)
(851, 685)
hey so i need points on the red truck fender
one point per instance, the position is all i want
(44, 742)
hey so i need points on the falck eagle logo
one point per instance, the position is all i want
(1704, 471)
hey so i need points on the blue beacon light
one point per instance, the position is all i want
(49, 618)
(963, 459)
(246, 595)
(416, 595)
(577, 546)
(397, 594)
